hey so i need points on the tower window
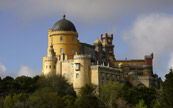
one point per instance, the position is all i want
(73, 51)
(61, 38)
(77, 67)
(61, 50)
(50, 66)
(73, 39)
(72, 66)
(77, 75)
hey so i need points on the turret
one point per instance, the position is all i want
(107, 41)
(81, 71)
(50, 62)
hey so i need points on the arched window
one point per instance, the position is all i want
(73, 39)
(77, 75)
(73, 51)
(61, 38)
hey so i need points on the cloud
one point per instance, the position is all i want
(152, 33)
(87, 10)
(170, 63)
(26, 71)
(2, 70)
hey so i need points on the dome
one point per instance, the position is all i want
(64, 25)
(97, 42)
(104, 43)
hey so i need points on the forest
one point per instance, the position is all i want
(56, 92)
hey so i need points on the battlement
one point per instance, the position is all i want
(82, 56)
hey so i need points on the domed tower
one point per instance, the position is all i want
(65, 38)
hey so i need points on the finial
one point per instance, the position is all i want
(63, 16)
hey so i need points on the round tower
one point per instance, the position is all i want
(65, 38)
(81, 71)
(50, 62)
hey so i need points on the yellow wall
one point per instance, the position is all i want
(67, 44)
(131, 62)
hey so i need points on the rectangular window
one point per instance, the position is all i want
(103, 75)
(77, 66)
(61, 50)
(73, 39)
(73, 51)
(61, 38)
(107, 75)
(113, 77)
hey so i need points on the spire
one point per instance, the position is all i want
(63, 16)
(51, 50)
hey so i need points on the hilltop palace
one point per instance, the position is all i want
(82, 63)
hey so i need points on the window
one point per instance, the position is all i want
(102, 83)
(72, 65)
(77, 75)
(50, 66)
(107, 76)
(103, 75)
(61, 50)
(73, 39)
(73, 51)
(71, 75)
(46, 66)
(113, 77)
(77, 67)
(54, 67)
(65, 75)
(118, 77)
(109, 40)
(61, 38)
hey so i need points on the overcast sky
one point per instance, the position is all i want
(140, 27)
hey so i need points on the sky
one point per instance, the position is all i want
(140, 27)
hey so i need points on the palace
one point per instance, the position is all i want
(82, 63)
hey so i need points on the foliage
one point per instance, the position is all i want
(167, 96)
(141, 104)
(45, 98)
(147, 94)
(110, 93)
(87, 98)
(57, 84)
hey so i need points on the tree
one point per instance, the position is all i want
(110, 93)
(168, 90)
(8, 102)
(87, 97)
(140, 104)
(45, 98)
(57, 84)
(20, 100)
(7, 86)
(25, 84)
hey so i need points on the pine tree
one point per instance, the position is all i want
(168, 90)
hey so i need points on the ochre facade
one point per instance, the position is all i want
(81, 63)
